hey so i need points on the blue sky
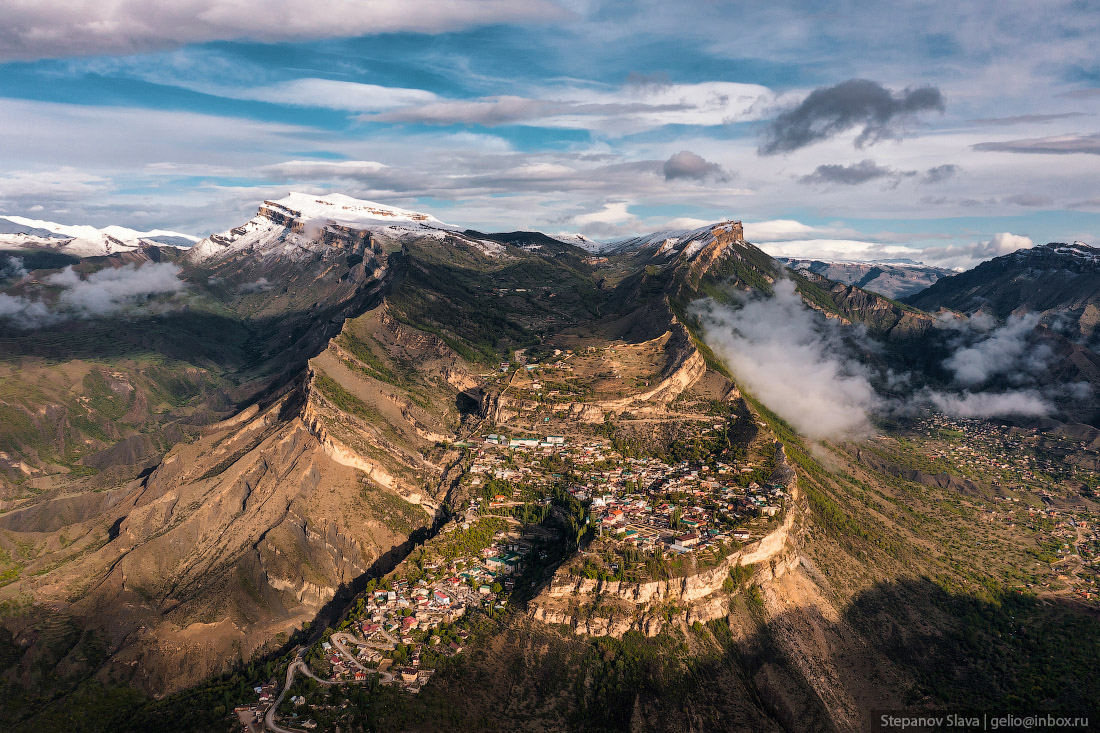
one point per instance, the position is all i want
(848, 129)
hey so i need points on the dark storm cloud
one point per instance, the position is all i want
(686, 164)
(829, 111)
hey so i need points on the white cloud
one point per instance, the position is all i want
(298, 169)
(112, 289)
(61, 184)
(614, 212)
(612, 111)
(954, 256)
(331, 94)
(792, 360)
(1025, 403)
(51, 28)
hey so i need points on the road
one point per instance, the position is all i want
(338, 640)
(299, 665)
(269, 717)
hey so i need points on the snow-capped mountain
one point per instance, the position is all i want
(17, 232)
(669, 242)
(301, 223)
(579, 240)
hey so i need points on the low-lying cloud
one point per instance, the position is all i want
(830, 111)
(101, 293)
(1005, 351)
(812, 371)
(793, 361)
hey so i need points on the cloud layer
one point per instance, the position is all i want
(50, 28)
(102, 293)
(810, 371)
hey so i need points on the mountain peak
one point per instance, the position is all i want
(300, 223)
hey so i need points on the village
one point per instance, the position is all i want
(1041, 484)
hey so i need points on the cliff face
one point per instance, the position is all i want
(884, 317)
(577, 602)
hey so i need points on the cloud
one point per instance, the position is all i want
(868, 170)
(807, 369)
(852, 175)
(111, 289)
(794, 361)
(630, 108)
(53, 28)
(940, 173)
(332, 94)
(829, 111)
(24, 313)
(1004, 351)
(686, 164)
(11, 268)
(1028, 199)
(955, 256)
(1056, 145)
(62, 184)
(1026, 119)
(1025, 403)
(323, 169)
(259, 286)
(776, 230)
(613, 212)
(968, 255)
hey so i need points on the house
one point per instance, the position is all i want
(685, 542)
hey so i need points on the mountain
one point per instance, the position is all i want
(892, 279)
(1056, 280)
(20, 233)
(215, 487)
(579, 240)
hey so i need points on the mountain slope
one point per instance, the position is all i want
(1054, 279)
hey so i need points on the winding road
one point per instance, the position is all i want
(299, 665)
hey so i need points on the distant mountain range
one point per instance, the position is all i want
(892, 279)
(17, 232)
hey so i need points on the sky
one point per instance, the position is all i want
(858, 129)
